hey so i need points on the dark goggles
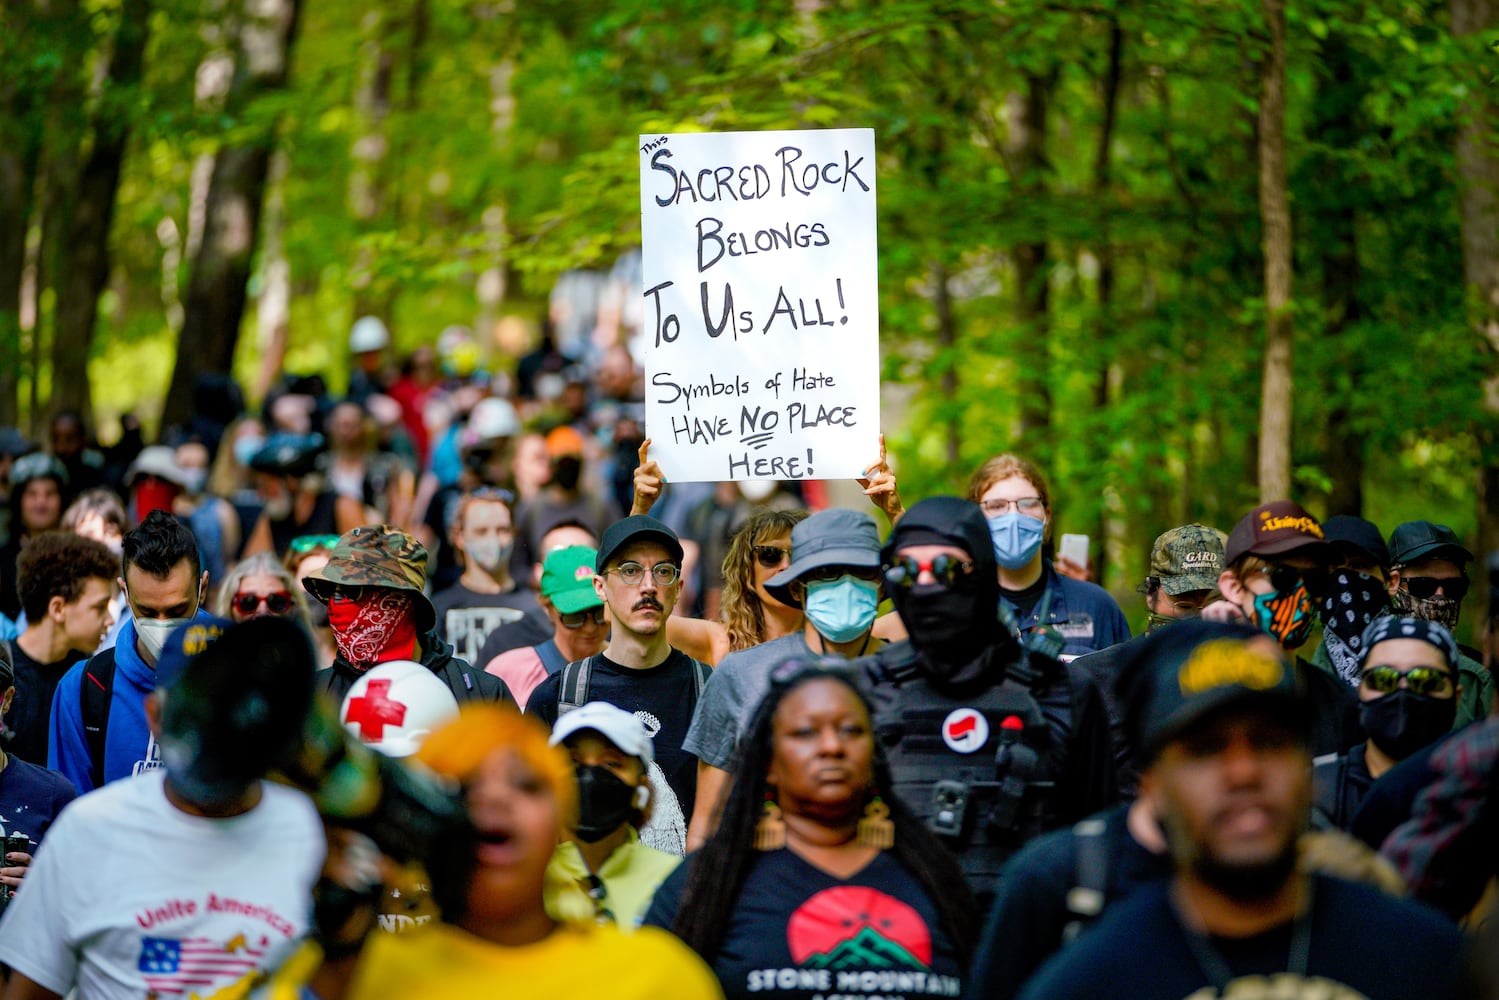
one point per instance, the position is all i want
(947, 570)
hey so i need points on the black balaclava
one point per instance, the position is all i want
(956, 630)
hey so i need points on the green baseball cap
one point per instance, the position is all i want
(1188, 558)
(567, 579)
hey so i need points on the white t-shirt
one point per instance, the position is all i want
(130, 896)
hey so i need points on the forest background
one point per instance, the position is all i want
(1184, 254)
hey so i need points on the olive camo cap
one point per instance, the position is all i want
(376, 555)
(1188, 558)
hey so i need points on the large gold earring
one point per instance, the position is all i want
(875, 828)
(770, 831)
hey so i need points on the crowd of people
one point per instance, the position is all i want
(437, 688)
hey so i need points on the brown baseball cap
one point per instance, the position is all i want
(1277, 528)
(376, 555)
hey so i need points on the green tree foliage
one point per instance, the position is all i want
(509, 138)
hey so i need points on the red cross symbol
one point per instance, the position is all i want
(374, 710)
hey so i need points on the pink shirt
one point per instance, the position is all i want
(520, 669)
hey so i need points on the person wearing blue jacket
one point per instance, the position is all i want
(1017, 506)
(98, 728)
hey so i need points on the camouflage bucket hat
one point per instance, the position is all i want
(376, 555)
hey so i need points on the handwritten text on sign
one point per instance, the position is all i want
(761, 304)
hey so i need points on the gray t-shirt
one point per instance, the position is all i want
(732, 694)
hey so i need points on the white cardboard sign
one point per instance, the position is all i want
(761, 319)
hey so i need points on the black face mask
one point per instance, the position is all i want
(1403, 722)
(945, 623)
(604, 802)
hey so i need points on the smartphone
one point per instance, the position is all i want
(1074, 548)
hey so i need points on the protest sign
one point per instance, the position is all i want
(761, 318)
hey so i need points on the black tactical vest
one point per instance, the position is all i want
(980, 770)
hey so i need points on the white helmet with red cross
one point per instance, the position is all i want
(394, 706)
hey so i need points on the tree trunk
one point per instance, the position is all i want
(1275, 220)
(1478, 197)
(91, 212)
(1025, 114)
(1336, 127)
(1103, 322)
(368, 181)
(947, 348)
(20, 143)
(215, 302)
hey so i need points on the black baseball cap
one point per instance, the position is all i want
(636, 528)
(1417, 540)
(1354, 534)
(1183, 674)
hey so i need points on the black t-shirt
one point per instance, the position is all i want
(798, 932)
(664, 696)
(466, 617)
(30, 799)
(533, 629)
(1031, 914)
(31, 712)
(1361, 940)
(1025, 600)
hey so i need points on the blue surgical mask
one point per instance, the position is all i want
(843, 609)
(1016, 537)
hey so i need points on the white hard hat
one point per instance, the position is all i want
(492, 418)
(394, 706)
(369, 334)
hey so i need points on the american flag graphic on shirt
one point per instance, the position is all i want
(193, 966)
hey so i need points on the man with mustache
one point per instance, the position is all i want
(1223, 724)
(639, 576)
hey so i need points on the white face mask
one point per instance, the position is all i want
(488, 553)
(153, 633)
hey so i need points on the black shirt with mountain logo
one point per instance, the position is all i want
(798, 932)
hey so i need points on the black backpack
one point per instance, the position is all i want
(572, 690)
(96, 687)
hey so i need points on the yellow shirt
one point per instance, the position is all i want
(440, 962)
(631, 876)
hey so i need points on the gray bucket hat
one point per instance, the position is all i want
(835, 537)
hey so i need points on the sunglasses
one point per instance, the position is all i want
(599, 893)
(1286, 579)
(492, 493)
(1426, 587)
(307, 543)
(947, 570)
(1429, 681)
(771, 556)
(278, 603)
(577, 619)
(824, 573)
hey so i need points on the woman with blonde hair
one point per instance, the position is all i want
(260, 586)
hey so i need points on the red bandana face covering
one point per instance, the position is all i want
(376, 628)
